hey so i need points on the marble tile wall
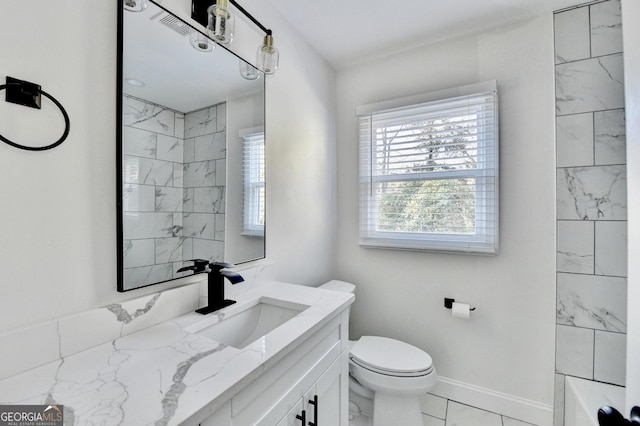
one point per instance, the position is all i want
(174, 188)
(591, 207)
(204, 183)
(153, 150)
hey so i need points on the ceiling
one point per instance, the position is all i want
(346, 32)
(158, 53)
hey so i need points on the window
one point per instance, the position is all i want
(429, 171)
(253, 183)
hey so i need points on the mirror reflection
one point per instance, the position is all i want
(191, 151)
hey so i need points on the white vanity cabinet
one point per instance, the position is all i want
(295, 416)
(315, 370)
(322, 405)
(326, 403)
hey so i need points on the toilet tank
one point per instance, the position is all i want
(337, 285)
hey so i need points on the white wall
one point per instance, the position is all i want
(508, 344)
(58, 207)
(631, 36)
(301, 134)
(58, 244)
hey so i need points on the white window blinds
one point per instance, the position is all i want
(429, 172)
(253, 183)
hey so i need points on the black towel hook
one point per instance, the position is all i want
(28, 94)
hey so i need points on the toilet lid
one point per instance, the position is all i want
(390, 356)
(337, 285)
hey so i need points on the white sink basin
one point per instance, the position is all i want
(244, 324)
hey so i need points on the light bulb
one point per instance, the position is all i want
(134, 82)
(201, 42)
(268, 56)
(248, 71)
(221, 23)
(135, 5)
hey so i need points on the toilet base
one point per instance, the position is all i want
(396, 410)
(383, 409)
(359, 420)
(360, 405)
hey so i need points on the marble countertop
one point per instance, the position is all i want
(165, 374)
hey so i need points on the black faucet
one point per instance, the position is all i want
(199, 266)
(609, 416)
(215, 282)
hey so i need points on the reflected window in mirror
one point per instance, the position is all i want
(253, 182)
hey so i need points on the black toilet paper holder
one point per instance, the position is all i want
(448, 303)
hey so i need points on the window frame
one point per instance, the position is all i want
(485, 241)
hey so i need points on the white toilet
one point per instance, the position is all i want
(386, 378)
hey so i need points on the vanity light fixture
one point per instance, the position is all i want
(135, 5)
(134, 82)
(248, 71)
(268, 56)
(219, 22)
(200, 42)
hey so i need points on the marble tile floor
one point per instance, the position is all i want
(437, 411)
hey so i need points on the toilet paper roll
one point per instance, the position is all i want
(461, 310)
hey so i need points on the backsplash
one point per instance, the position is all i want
(52, 340)
(174, 189)
(49, 341)
(591, 207)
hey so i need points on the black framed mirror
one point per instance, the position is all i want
(190, 149)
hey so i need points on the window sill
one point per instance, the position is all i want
(430, 246)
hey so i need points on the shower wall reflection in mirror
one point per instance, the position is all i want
(191, 183)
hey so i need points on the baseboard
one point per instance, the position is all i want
(496, 402)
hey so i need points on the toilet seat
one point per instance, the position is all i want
(390, 357)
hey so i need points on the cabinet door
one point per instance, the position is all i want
(294, 417)
(326, 403)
